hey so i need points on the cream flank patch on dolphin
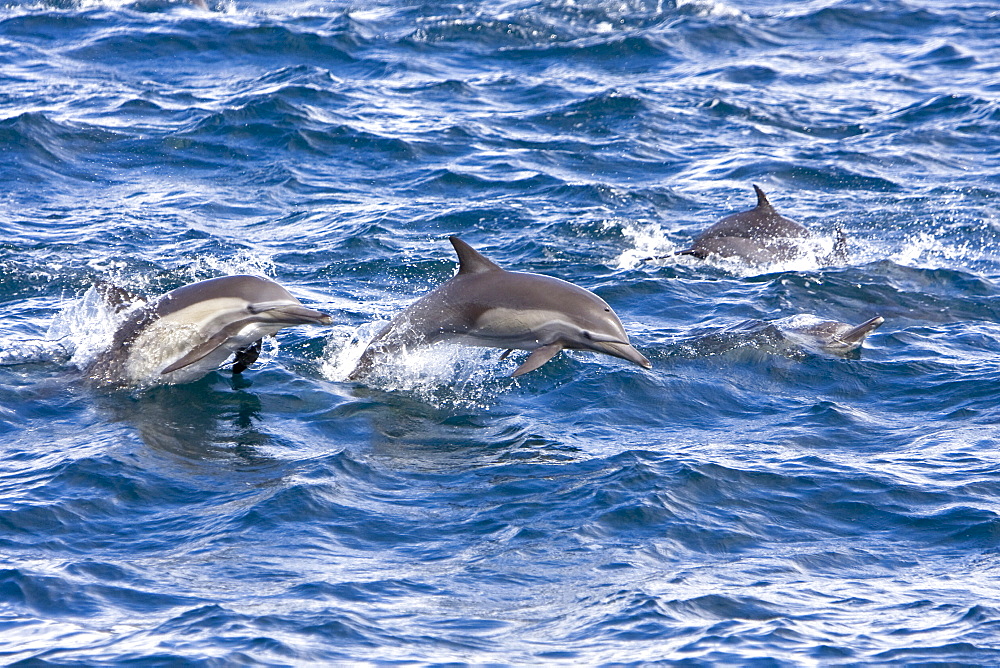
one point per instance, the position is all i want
(487, 306)
(519, 325)
(192, 330)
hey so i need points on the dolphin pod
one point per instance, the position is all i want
(190, 331)
(485, 305)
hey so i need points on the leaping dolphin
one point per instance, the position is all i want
(484, 305)
(190, 331)
(757, 236)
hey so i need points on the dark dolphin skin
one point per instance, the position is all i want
(211, 320)
(484, 305)
(757, 236)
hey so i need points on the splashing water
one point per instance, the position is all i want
(444, 375)
(651, 245)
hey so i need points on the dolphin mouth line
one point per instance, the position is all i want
(293, 314)
(624, 351)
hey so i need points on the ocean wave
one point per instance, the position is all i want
(746, 497)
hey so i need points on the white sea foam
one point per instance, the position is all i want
(86, 326)
(649, 240)
(244, 261)
(651, 246)
(442, 374)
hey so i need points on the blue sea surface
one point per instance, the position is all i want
(747, 501)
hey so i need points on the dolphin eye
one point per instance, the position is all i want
(587, 335)
(607, 309)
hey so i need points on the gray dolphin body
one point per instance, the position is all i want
(484, 305)
(190, 331)
(830, 335)
(757, 236)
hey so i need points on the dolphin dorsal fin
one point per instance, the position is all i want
(471, 261)
(762, 202)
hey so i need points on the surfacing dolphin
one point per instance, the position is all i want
(190, 331)
(484, 305)
(831, 336)
(796, 334)
(757, 236)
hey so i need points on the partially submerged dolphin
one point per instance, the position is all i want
(190, 331)
(831, 336)
(797, 333)
(758, 236)
(484, 305)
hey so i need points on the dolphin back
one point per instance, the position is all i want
(758, 235)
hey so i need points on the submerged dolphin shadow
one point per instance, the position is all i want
(194, 421)
(485, 305)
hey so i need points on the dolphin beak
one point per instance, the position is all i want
(624, 351)
(296, 314)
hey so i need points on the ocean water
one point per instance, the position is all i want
(747, 501)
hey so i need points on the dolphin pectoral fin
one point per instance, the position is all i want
(246, 356)
(506, 353)
(204, 349)
(537, 359)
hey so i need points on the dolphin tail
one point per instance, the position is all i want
(536, 359)
(858, 334)
(839, 253)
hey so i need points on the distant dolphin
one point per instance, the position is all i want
(484, 305)
(190, 331)
(799, 332)
(829, 335)
(757, 236)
